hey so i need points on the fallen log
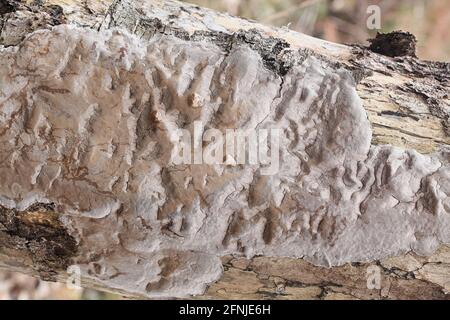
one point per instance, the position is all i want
(93, 96)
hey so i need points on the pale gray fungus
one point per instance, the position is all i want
(86, 120)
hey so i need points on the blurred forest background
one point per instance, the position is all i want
(342, 21)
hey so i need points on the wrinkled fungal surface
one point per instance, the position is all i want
(87, 121)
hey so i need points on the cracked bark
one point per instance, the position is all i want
(407, 102)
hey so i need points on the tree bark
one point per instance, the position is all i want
(61, 203)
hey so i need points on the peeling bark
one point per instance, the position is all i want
(88, 102)
(38, 232)
(405, 277)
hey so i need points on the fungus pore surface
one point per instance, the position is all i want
(87, 123)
